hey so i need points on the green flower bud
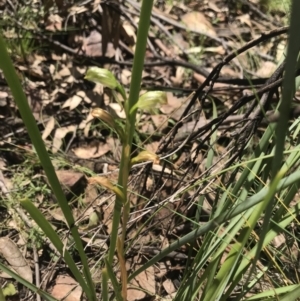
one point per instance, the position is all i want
(102, 76)
(149, 100)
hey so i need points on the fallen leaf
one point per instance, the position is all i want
(64, 72)
(54, 23)
(59, 135)
(161, 269)
(89, 152)
(12, 254)
(128, 33)
(169, 286)
(69, 178)
(49, 127)
(57, 214)
(91, 194)
(107, 215)
(144, 281)
(175, 106)
(66, 288)
(118, 110)
(92, 45)
(198, 21)
(152, 147)
(178, 78)
(266, 69)
(160, 121)
(75, 100)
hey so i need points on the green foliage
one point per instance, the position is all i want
(248, 212)
(17, 30)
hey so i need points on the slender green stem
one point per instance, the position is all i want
(104, 285)
(138, 65)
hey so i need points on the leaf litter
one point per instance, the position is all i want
(189, 44)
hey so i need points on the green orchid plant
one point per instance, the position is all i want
(146, 102)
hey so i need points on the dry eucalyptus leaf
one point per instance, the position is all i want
(160, 121)
(118, 110)
(152, 147)
(128, 32)
(57, 214)
(178, 78)
(169, 286)
(89, 152)
(144, 281)
(69, 178)
(64, 72)
(126, 77)
(107, 216)
(160, 270)
(59, 135)
(266, 69)
(198, 21)
(115, 147)
(66, 288)
(49, 127)
(11, 253)
(54, 23)
(91, 194)
(173, 104)
(75, 100)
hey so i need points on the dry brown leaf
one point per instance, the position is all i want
(128, 33)
(55, 57)
(89, 152)
(147, 127)
(36, 70)
(57, 214)
(145, 281)
(149, 183)
(266, 69)
(54, 23)
(107, 215)
(200, 78)
(115, 147)
(198, 21)
(69, 178)
(11, 253)
(278, 241)
(59, 135)
(175, 106)
(91, 194)
(160, 121)
(161, 269)
(118, 110)
(64, 72)
(49, 127)
(169, 286)
(92, 45)
(66, 288)
(178, 79)
(75, 100)
(214, 7)
(152, 147)
(245, 19)
(125, 77)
